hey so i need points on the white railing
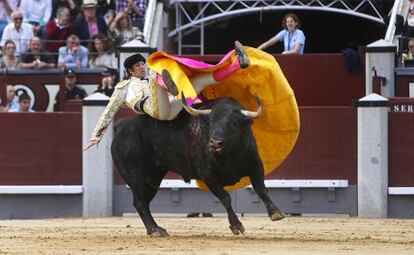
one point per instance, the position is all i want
(399, 8)
(149, 20)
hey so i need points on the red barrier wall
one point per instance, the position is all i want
(401, 149)
(40, 148)
(326, 146)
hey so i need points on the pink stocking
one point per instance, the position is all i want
(225, 72)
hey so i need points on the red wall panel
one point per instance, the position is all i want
(40, 148)
(326, 147)
(401, 149)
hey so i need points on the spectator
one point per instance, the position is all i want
(37, 13)
(58, 29)
(72, 5)
(108, 82)
(6, 9)
(121, 30)
(292, 37)
(11, 104)
(24, 104)
(88, 24)
(73, 55)
(9, 59)
(101, 52)
(106, 9)
(71, 91)
(136, 10)
(21, 33)
(35, 58)
(410, 54)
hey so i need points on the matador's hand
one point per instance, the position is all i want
(92, 143)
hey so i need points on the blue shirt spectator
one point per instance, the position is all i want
(11, 104)
(292, 37)
(73, 55)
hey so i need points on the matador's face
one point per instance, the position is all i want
(138, 70)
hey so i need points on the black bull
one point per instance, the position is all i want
(217, 147)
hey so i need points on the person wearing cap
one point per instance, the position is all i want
(71, 90)
(150, 96)
(88, 24)
(108, 82)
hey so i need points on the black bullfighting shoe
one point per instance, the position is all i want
(241, 55)
(172, 88)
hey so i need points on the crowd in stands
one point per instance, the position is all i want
(40, 34)
(66, 34)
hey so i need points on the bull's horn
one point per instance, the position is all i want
(255, 114)
(191, 110)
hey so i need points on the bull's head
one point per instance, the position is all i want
(229, 123)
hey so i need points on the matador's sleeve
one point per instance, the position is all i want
(115, 103)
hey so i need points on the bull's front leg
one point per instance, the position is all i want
(235, 225)
(257, 179)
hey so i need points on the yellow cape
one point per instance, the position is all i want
(276, 131)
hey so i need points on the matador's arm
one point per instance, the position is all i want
(115, 103)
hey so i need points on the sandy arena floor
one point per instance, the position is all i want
(126, 235)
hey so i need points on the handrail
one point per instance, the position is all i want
(149, 20)
(396, 10)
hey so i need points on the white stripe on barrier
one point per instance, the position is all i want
(400, 190)
(270, 184)
(40, 189)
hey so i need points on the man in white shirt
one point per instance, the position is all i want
(20, 33)
(6, 8)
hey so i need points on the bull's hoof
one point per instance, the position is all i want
(277, 216)
(157, 232)
(237, 229)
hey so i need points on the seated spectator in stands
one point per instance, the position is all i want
(73, 55)
(121, 30)
(20, 33)
(292, 37)
(71, 90)
(24, 104)
(6, 9)
(37, 13)
(108, 82)
(34, 58)
(72, 5)
(88, 24)
(136, 10)
(9, 59)
(106, 9)
(101, 52)
(58, 29)
(11, 94)
(410, 54)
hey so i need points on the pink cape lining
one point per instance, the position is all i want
(199, 64)
(196, 64)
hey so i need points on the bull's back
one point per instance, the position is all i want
(165, 145)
